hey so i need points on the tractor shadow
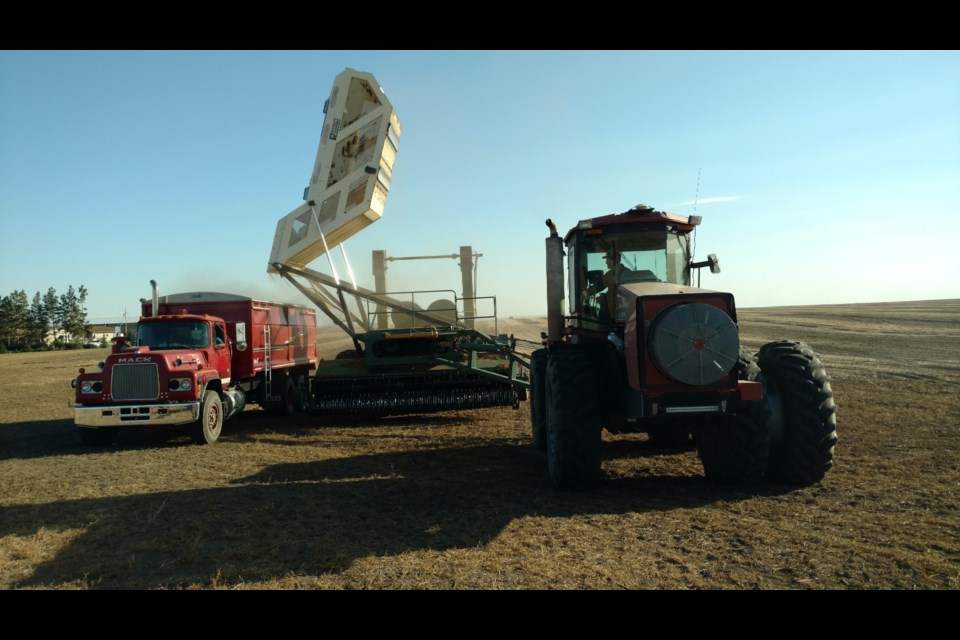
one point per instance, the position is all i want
(319, 517)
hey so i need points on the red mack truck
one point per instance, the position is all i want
(199, 358)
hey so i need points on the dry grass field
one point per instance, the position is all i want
(460, 500)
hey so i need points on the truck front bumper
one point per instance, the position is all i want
(146, 414)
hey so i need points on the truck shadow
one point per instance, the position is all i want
(30, 440)
(319, 517)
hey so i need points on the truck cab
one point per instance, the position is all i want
(164, 379)
(204, 334)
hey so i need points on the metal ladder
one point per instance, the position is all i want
(267, 363)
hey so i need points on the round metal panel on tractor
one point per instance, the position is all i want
(694, 343)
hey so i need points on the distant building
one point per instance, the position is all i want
(101, 333)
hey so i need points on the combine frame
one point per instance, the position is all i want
(432, 365)
(437, 360)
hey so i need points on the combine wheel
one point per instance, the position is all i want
(803, 415)
(207, 429)
(574, 420)
(102, 437)
(538, 398)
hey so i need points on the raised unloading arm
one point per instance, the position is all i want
(351, 175)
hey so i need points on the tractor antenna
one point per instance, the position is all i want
(696, 197)
(696, 200)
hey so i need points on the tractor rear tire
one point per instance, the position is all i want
(802, 451)
(102, 437)
(538, 398)
(574, 420)
(734, 449)
(674, 436)
(207, 429)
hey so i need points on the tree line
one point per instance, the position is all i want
(45, 320)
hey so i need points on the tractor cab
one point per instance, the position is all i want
(639, 246)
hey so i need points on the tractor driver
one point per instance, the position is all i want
(610, 280)
(604, 286)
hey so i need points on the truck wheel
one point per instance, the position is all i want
(301, 394)
(734, 449)
(574, 421)
(286, 392)
(803, 415)
(207, 429)
(288, 402)
(538, 398)
(102, 437)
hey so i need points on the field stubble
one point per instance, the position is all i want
(461, 500)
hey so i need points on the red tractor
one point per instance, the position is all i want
(643, 350)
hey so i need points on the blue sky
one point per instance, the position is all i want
(824, 177)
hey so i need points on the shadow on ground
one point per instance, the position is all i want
(318, 517)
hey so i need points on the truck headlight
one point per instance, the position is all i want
(91, 386)
(180, 384)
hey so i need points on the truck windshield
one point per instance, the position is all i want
(183, 334)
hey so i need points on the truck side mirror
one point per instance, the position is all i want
(241, 346)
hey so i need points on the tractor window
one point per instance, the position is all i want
(182, 334)
(605, 262)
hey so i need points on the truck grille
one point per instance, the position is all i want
(135, 382)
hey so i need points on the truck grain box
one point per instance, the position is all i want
(199, 358)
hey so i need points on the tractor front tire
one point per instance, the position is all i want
(538, 398)
(574, 421)
(207, 429)
(795, 380)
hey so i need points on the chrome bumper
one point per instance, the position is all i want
(146, 414)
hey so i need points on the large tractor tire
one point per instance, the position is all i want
(803, 414)
(538, 398)
(672, 435)
(207, 429)
(102, 437)
(735, 449)
(574, 420)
